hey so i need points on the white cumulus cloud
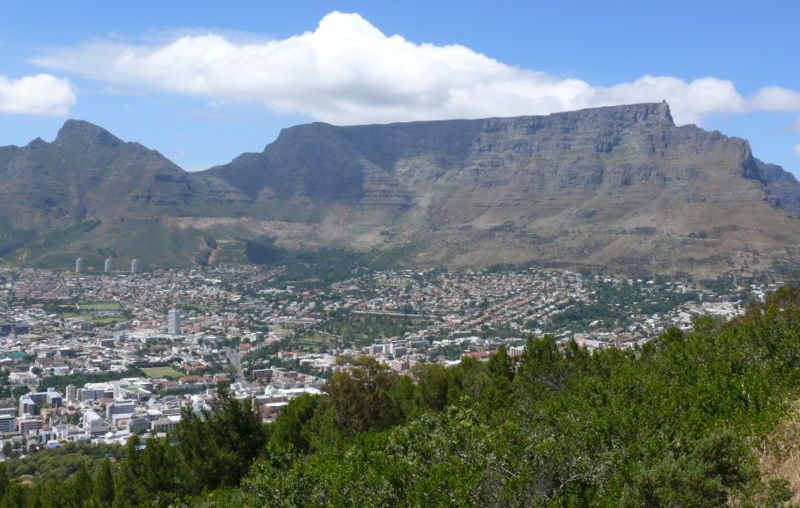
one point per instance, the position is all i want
(41, 94)
(347, 71)
(775, 98)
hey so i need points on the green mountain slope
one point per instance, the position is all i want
(90, 194)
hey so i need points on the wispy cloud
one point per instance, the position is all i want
(41, 94)
(347, 71)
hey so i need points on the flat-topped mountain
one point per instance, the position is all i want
(620, 188)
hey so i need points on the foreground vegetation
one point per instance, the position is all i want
(673, 424)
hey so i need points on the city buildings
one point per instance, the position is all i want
(242, 327)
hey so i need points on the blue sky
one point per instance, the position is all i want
(205, 81)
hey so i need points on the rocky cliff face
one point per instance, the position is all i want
(616, 187)
(782, 187)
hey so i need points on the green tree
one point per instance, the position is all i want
(19, 391)
(128, 489)
(500, 364)
(3, 479)
(158, 474)
(361, 397)
(104, 484)
(216, 448)
(14, 496)
(542, 368)
(433, 384)
(289, 434)
(79, 489)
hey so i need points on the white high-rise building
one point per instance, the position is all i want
(79, 265)
(135, 266)
(72, 393)
(174, 322)
(107, 265)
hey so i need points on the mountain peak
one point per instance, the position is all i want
(662, 111)
(654, 112)
(38, 142)
(81, 131)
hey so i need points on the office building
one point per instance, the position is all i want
(79, 265)
(135, 266)
(107, 265)
(89, 394)
(120, 407)
(32, 402)
(94, 423)
(7, 423)
(174, 322)
(27, 406)
(29, 425)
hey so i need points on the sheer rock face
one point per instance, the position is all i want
(619, 187)
(616, 187)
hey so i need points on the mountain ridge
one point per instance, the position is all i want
(618, 187)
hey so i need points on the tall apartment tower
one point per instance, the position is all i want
(174, 322)
(135, 266)
(79, 265)
(72, 393)
(107, 265)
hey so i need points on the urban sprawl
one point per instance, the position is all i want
(97, 357)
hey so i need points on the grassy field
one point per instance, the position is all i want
(93, 312)
(157, 372)
(92, 306)
(315, 342)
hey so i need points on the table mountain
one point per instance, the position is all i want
(620, 188)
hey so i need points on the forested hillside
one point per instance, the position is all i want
(676, 423)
